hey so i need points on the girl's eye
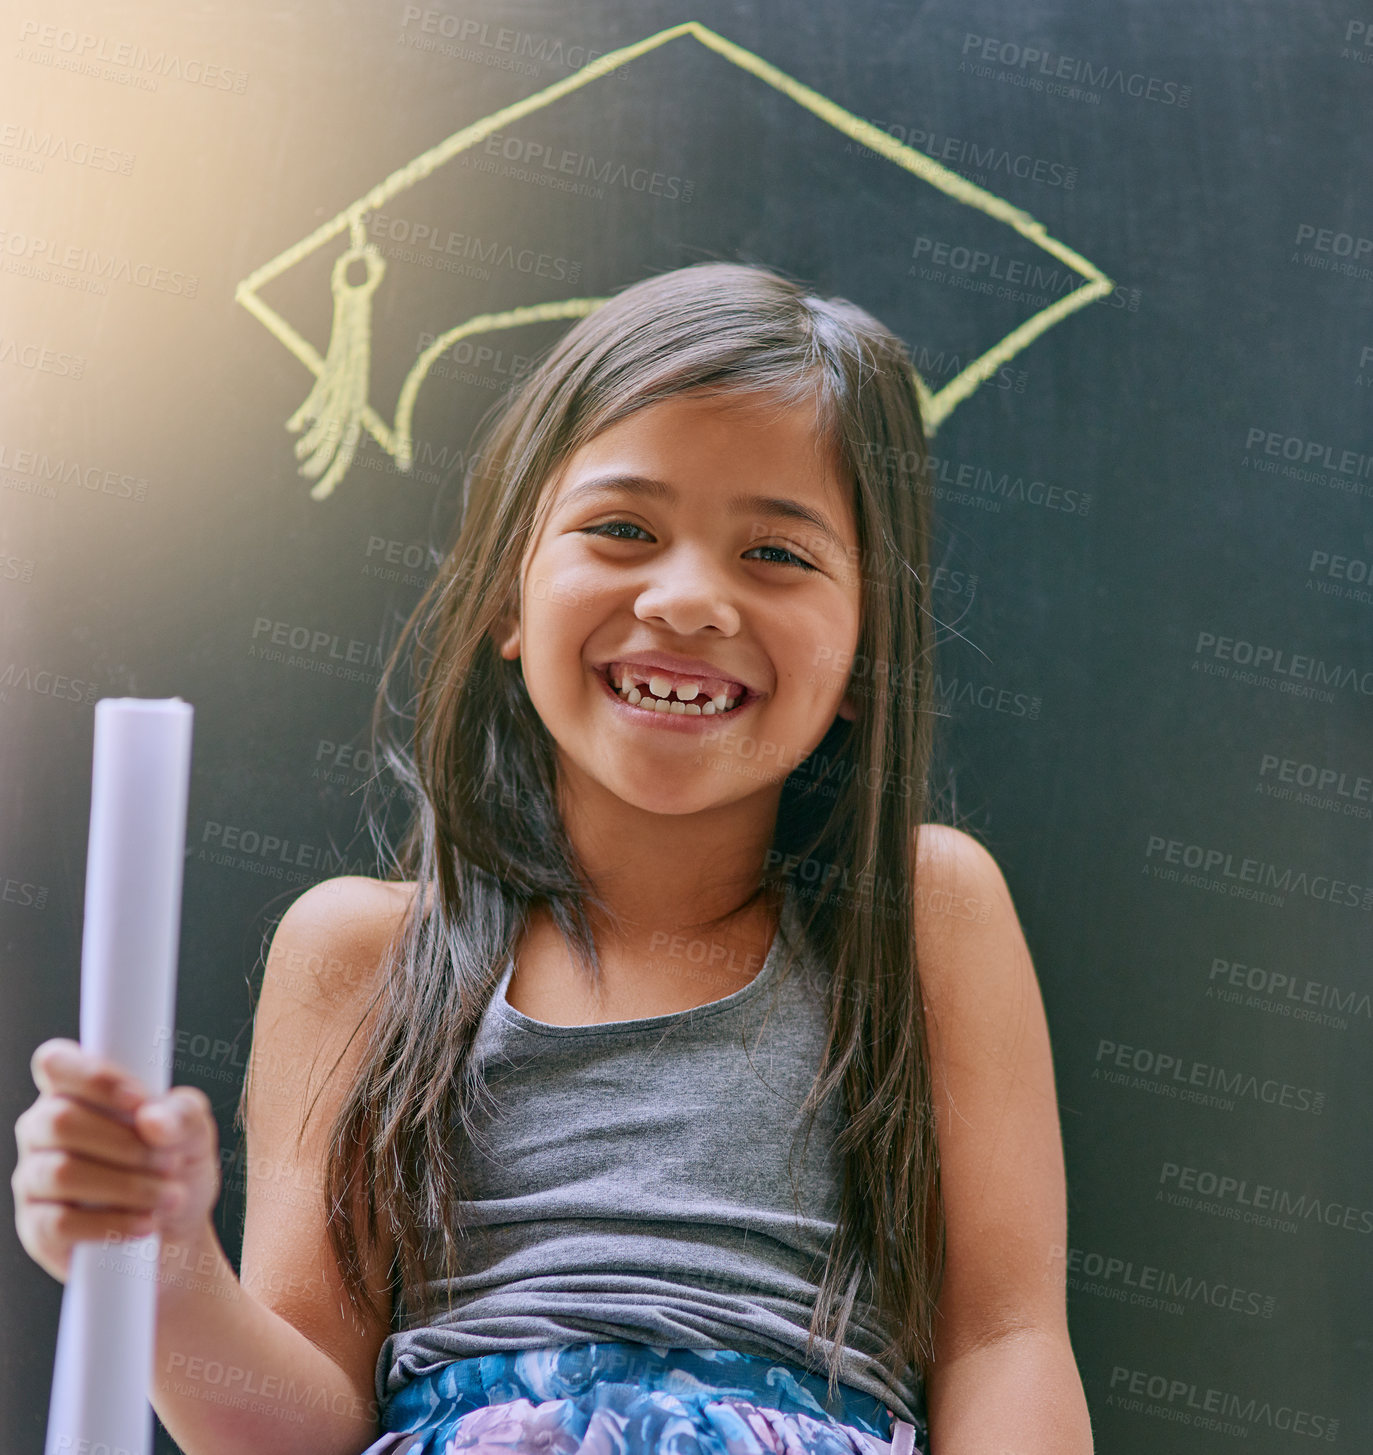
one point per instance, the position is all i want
(595, 530)
(792, 558)
(782, 550)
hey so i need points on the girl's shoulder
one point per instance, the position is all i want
(943, 850)
(992, 1076)
(946, 857)
(965, 920)
(353, 903)
(317, 995)
(329, 946)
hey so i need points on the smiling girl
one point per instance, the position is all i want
(681, 1089)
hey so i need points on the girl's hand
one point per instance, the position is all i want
(101, 1159)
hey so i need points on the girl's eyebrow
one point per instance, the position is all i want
(777, 506)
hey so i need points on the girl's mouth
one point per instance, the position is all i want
(668, 712)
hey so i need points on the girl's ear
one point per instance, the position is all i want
(508, 639)
(847, 710)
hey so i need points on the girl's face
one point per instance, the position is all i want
(681, 532)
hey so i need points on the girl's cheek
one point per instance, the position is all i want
(563, 590)
(573, 590)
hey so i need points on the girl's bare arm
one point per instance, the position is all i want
(1004, 1378)
(276, 1362)
(301, 1360)
(232, 1375)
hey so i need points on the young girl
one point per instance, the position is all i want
(620, 1117)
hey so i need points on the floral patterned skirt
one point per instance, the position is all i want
(632, 1399)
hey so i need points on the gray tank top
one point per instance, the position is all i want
(632, 1184)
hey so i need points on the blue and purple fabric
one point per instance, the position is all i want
(632, 1399)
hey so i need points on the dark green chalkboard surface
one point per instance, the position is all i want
(1131, 249)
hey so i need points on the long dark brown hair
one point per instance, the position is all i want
(485, 841)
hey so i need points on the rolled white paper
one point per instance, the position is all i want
(140, 784)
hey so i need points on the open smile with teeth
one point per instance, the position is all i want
(653, 691)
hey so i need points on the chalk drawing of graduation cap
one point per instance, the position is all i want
(336, 410)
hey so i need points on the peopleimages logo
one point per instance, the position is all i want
(980, 160)
(38, 472)
(1316, 785)
(1358, 38)
(315, 650)
(1265, 665)
(1183, 1077)
(1329, 251)
(42, 253)
(107, 57)
(1283, 993)
(36, 148)
(431, 238)
(1107, 1276)
(1040, 67)
(1316, 461)
(45, 683)
(1207, 1408)
(1017, 280)
(41, 359)
(532, 48)
(1333, 574)
(1247, 878)
(270, 855)
(1278, 446)
(1248, 1202)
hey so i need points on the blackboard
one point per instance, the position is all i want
(1155, 533)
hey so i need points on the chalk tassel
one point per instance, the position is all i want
(337, 401)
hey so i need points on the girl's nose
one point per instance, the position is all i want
(687, 594)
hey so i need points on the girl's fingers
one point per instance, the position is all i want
(62, 1068)
(101, 1158)
(58, 1177)
(86, 1106)
(54, 1122)
(182, 1121)
(55, 1227)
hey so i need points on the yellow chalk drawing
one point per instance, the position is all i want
(337, 405)
(337, 401)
